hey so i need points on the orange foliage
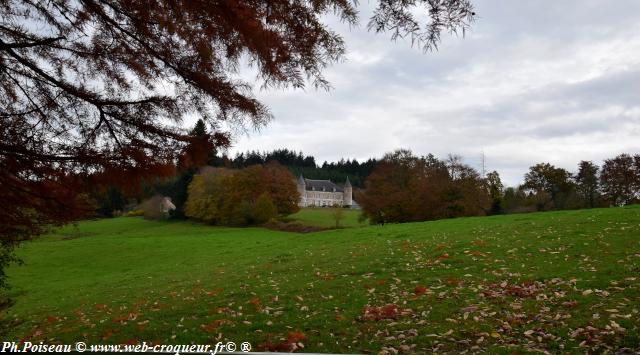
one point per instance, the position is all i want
(221, 196)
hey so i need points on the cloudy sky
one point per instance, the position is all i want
(534, 81)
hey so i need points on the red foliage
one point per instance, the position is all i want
(405, 188)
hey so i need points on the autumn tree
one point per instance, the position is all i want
(405, 188)
(395, 192)
(263, 209)
(205, 195)
(620, 179)
(466, 193)
(242, 197)
(516, 200)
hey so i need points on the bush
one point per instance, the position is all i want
(242, 197)
(135, 213)
(264, 209)
(206, 195)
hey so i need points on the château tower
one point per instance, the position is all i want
(302, 186)
(347, 196)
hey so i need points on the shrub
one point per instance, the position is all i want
(250, 196)
(206, 195)
(264, 209)
(135, 213)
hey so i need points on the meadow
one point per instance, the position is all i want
(541, 282)
(323, 217)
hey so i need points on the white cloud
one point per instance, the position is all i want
(533, 81)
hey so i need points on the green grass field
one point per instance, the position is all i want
(556, 282)
(323, 217)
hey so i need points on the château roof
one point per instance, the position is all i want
(318, 185)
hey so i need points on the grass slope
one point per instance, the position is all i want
(546, 281)
(323, 217)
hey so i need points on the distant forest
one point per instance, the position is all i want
(403, 185)
(298, 163)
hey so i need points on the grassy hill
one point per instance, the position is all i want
(323, 217)
(556, 281)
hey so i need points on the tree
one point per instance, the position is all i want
(496, 192)
(109, 199)
(206, 193)
(587, 183)
(515, 201)
(620, 179)
(405, 188)
(337, 212)
(544, 180)
(466, 193)
(231, 197)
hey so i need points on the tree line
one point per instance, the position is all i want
(405, 187)
(401, 186)
(113, 199)
(300, 164)
(547, 187)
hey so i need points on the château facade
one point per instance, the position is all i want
(322, 193)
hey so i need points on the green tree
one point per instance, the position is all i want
(231, 197)
(206, 195)
(199, 129)
(587, 183)
(551, 184)
(108, 200)
(496, 192)
(337, 212)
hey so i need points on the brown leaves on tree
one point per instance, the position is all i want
(249, 196)
(406, 188)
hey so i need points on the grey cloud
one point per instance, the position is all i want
(533, 81)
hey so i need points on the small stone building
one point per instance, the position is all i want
(323, 193)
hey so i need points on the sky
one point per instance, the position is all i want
(533, 81)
